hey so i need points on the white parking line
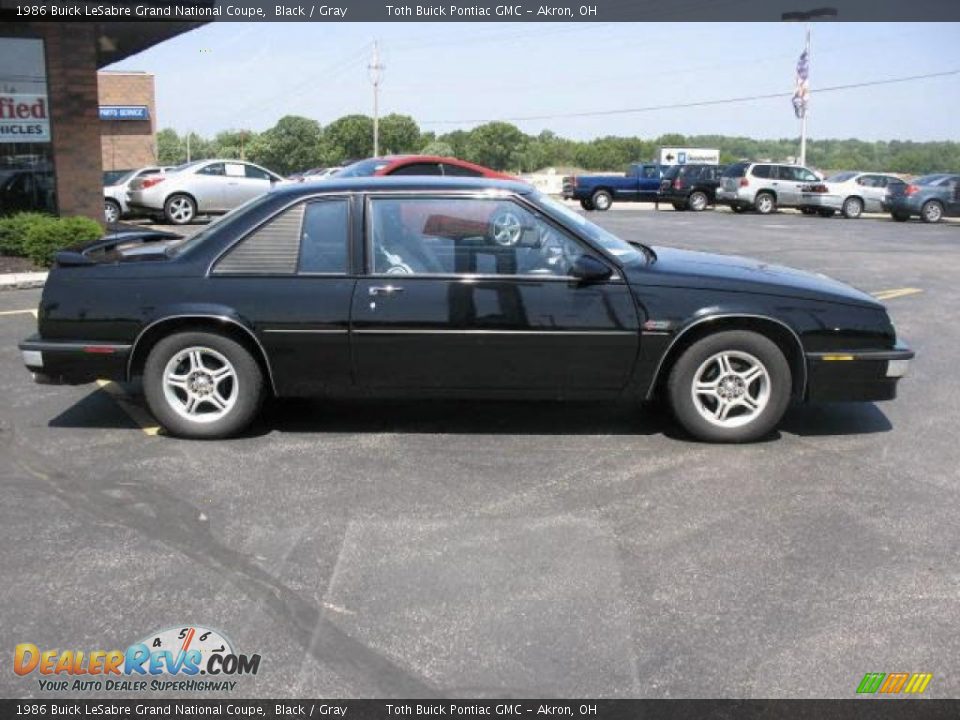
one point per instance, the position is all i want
(136, 413)
(18, 312)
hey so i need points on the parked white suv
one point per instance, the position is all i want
(204, 187)
(763, 186)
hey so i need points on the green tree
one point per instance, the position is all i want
(290, 145)
(349, 138)
(398, 134)
(497, 145)
(438, 147)
(170, 149)
(233, 143)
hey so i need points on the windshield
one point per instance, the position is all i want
(928, 179)
(841, 177)
(220, 222)
(620, 249)
(364, 168)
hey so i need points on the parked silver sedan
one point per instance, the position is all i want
(203, 187)
(115, 194)
(851, 193)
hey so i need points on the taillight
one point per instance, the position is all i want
(150, 182)
(678, 184)
(911, 189)
(744, 182)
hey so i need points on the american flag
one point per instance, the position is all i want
(801, 93)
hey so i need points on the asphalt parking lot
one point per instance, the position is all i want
(512, 549)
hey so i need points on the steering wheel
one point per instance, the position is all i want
(506, 229)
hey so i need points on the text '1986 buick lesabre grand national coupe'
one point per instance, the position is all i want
(440, 287)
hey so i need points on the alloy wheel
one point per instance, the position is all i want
(200, 384)
(731, 389)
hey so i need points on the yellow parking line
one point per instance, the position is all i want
(896, 293)
(18, 312)
(136, 413)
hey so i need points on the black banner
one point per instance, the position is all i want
(512, 709)
(479, 10)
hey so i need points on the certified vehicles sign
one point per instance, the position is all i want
(24, 118)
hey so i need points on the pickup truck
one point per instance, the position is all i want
(640, 183)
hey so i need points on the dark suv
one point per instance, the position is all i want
(690, 187)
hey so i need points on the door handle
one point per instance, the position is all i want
(385, 289)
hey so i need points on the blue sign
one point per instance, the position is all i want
(682, 159)
(124, 112)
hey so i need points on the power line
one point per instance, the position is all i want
(698, 103)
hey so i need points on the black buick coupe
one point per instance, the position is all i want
(439, 287)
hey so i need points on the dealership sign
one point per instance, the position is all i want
(124, 112)
(24, 118)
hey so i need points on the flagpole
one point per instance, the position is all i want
(803, 118)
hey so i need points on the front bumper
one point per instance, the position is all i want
(857, 375)
(74, 362)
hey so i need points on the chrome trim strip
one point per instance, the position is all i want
(700, 321)
(221, 318)
(431, 331)
(894, 354)
(316, 331)
(54, 346)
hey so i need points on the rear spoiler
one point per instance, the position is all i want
(80, 254)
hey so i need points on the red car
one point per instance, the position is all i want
(420, 165)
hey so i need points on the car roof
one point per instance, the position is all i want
(405, 182)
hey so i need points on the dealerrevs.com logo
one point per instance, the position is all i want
(182, 659)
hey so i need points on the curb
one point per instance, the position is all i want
(22, 281)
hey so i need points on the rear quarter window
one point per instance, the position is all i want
(761, 171)
(737, 170)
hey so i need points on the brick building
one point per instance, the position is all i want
(127, 119)
(50, 128)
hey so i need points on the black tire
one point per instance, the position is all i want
(698, 201)
(765, 203)
(852, 208)
(738, 209)
(777, 386)
(180, 209)
(586, 205)
(601, 200)
(826, 212)
(900, 217)
(111, 211)
(931, 212)
(679, 207)
(248, 387)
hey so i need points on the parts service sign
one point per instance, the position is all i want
(24, 118)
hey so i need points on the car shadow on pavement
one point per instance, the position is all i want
(95, 411)
(818, 419)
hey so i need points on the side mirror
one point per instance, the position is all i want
(588, 269)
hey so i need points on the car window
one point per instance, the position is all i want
(212, 169)
(762, 171)
(323, 237)
(255, 173)
(736, 170)
(459, 171)
(802, 174)
(271, 249)
(927, 179)
(417, 169)
(466, 236)
(841, 177)
(651, 171)
(871, 181)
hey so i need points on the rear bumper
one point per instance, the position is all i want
(75, 362)
(902, 205)
(857, 375)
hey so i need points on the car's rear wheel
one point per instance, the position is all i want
(931, 212)
(179, 209)
(602, 200)
(202, 385)
(733, 386)
(111, 211)
(764, 203)
(852, 208)
(586, 205)
(698, 201)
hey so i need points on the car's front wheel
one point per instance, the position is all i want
(931, 212)
(586, 205)
(202, 385)
(601, 200)
(764, 203)
(111, 211)
(179, 209)
(733, 386)
(698, 201)
(852, 208)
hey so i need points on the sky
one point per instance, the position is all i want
(456, 75)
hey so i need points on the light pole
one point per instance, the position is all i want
(376, 76)
(806, 16)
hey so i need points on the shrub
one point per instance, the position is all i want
(38, 237)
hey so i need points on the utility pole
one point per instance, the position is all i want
(376, 76)
(188, 146)
(803, 119)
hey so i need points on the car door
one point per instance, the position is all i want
(649, 182)
(785, 182)
(953, 196)
(872, 188)
(292, 278)
(244, 182)
(207, 185)
(473, 294)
